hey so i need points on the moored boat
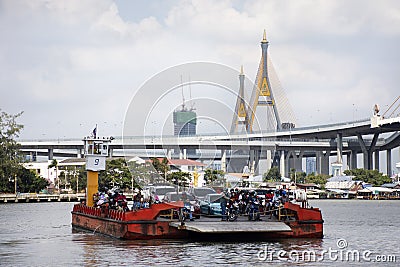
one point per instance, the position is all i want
(158, 222)
(165, 220)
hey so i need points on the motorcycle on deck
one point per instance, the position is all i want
(233, 211)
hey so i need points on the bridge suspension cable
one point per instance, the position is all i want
(394, 110)
(268, 107)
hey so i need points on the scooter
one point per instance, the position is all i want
(233, 211)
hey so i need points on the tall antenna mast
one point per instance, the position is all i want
(190, 92)
(183, 96)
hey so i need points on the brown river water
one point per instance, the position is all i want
(356, 232)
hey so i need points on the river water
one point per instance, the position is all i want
(355, 232)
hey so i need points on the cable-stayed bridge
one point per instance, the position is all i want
(263, 133)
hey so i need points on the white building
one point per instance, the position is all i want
(43, 170)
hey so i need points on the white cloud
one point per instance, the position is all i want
(63, 58)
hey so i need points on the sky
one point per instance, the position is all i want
(70, 65)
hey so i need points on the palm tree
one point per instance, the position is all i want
(54, 164)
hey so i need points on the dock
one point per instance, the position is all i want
(33, 197)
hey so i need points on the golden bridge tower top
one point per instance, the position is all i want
(268, 107)
(262, 95)
(240, 121)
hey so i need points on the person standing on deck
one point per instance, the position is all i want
(187, 205)
(224, 199)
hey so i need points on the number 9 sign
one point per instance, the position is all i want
(95, 163)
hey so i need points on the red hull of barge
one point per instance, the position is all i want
(141, 224)
(308, 223)
(145, 224)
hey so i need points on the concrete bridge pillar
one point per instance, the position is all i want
(184, 153)
(288, 164)
(318, 162)
(269, 160)
(367, 151)
(111, 152)
(282, 168)
(339, 147)
(50, 153)
(322, 160)
(368, 160)
(353, 160)
(169, 153)
(325, 163)
(254, 161)
(376, 160)
(389, 162)
(79, 153)
(298, 160)
(257, 161)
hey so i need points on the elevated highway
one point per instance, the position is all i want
(322, 141)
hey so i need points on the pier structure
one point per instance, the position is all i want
(34, 197)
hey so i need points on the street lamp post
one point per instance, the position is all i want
(65, 179)
(154, 123)
(132, 183)
(77, 180)
(15, 184)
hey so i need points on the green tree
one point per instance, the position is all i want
(142, 173)
(211, 175)
(179, 178)
(161, 167)
(54, 164)
(319, 179)
(39, 183)
(298, 177)
(116, 174)
(272, 175)
(30, 182)
(11, 171)
(373, 177)
(9, 152)
(78, 178)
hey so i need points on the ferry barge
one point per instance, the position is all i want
(158, 221)
(294, 221)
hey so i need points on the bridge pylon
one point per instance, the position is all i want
(268, 107)
(240, 122)
(262, 94)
